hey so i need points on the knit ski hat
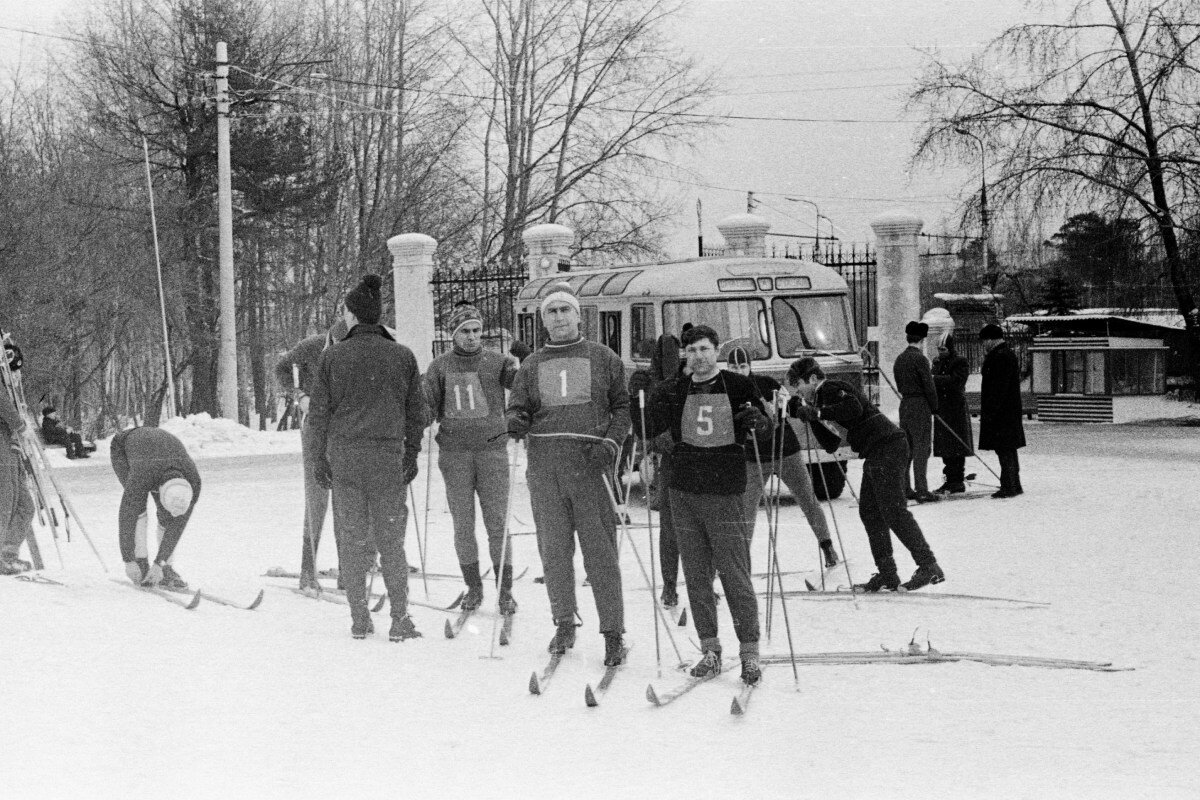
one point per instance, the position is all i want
(462, 314)
(176, 496)
(739, 356)
(365, 301)
(561, 293)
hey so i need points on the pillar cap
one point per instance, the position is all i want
(411, 244)
(743, 224)
(937, 316)
(897, 223)
(548, 233)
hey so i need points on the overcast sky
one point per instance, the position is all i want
(817, 60)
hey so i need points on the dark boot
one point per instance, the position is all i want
(614, 649)
(473, 599)
(831, 556)
(880, 580)
(403, 629)
(506, 603)
(924, 576)
(309, 582)
(709, 665)
(171, 579)
(361, 625)
(564, 638)
(670, 597)
(751, 669)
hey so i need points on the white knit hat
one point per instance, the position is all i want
(176, 496)
(562, 293)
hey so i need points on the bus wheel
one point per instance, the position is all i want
(829, 474)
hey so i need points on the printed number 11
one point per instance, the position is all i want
(458, 397)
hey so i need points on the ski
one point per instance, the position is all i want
(37, 577)
(163, 593)
(677, 614)
(935, 657)
(679, 691)
(590, 696)
(455, 628)
(455, 604)
(537, 684)
(971, 494)
(741, 701)
(817, 594)
(326, 595)
(255, 603)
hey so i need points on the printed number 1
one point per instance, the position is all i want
(562, 376)
(704, 418)
(458, 397)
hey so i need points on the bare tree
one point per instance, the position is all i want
(1097, 110)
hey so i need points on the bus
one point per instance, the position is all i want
(778, 310)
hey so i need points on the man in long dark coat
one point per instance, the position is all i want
(918, 404)
(952, 435)
(1000, 426)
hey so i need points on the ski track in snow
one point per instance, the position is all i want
(107, 691)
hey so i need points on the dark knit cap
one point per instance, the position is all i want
(365, 301)
(917, 330)
(991, 331)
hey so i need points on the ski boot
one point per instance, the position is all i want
(508, 605)
(924, 576)
(708, 666)
(473, 599)
(564, 638)
(309, 583)
(670, 597)
(880, 580)
(751, 669)
(11, 565)
(506, 602)
(403, 629)
(831, 556)
(171, 579)
(362, 628)
(927, 497)
(614, 649)
(951, 487)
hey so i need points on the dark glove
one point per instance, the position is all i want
(603, 455)
(663, 443)
(518, 424)
(749, 420)
(805, 412)
(323, 473)
(410, 469)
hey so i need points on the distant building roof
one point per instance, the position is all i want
(1162, 318)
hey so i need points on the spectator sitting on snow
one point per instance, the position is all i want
(54, 432)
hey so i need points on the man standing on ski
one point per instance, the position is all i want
(918, 404)
(151, 462)
(709, 414)
(367, 417)
(296, 371)
(570, 399)
(16, 505)
(882, 506)
(465, 388)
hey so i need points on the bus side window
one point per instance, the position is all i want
(526, 330)
(643, 333)
(610, 330)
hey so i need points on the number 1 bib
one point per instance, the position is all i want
(707, 421)
(464, 397)
(565, 381)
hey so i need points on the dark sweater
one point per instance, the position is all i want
(303, 357)
(466, 395)
(865, 426)
(145, 458)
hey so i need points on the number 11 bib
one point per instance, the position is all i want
(464, 397)
(707, 421)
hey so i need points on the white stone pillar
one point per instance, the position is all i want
(897, 292)
(939, 322)
(745, 235)
(412, 271)
(549, 246)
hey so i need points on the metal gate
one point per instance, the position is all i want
(491, 289)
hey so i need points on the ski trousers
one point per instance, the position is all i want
(711, 532)
(568, 497)
(883, 507)
(316, 504)
(16, 507)
(468, 473)
(668, 550)
(794, 473)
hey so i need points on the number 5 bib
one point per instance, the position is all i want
(707, 421)
(565, 381)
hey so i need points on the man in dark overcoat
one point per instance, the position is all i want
(952, 436)
(918, 404)
(1000, 426)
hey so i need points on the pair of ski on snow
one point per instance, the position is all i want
(190, 598)
(591, 697)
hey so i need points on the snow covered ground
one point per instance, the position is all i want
(110, 693)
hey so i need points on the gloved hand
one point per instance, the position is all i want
(410, 469)
(782, 397)
(519, 424)
(663, 443)
(323, 473)
(751, 419)
(154, 575)
(806, 412)
(133, 571)
(603, 455)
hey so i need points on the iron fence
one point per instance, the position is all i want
(492, 289)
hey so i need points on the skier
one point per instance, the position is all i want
(16, 504)
(151, 462)
(1000, 427)
(570, 399)
(665, 366)
(884, 449)
(465, 388)
(54, 432)
(295, 370)
(952, 432)
(366, 419)
(791, 469)
(918, 404)
(708, 414)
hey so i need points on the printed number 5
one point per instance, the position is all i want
(704, 420)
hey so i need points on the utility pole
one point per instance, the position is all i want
(817, 227)
(749, 202)
(983, 206)
(227, 382)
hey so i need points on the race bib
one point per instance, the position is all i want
(707, 421)
(464, 397)
(565, 381)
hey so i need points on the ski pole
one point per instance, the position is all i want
(503, 556)
(649, 530)
(428, 480)
(837, 531)
(412, 497)
(764, 498)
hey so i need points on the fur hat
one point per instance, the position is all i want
(463, 313)
(991, 331)
(176, 496)
(364, 301)
(561, 292)
(917, 330)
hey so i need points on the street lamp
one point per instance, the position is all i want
(983, 209)
(832, 235)
(817, 227)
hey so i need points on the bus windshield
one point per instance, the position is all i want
(811, 323)
(738, 322)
